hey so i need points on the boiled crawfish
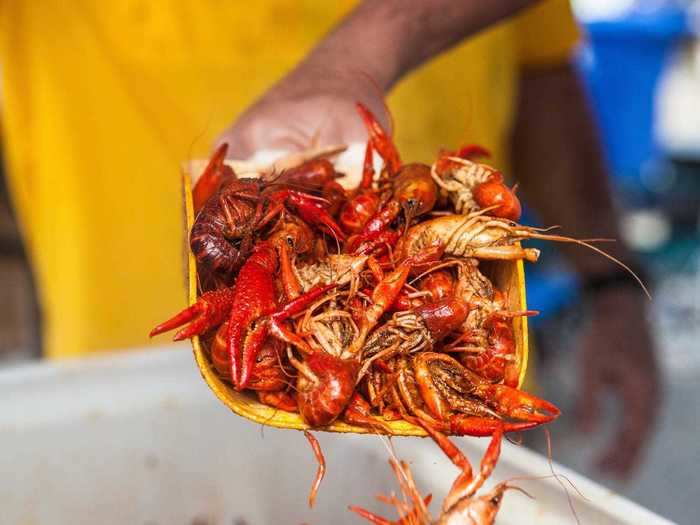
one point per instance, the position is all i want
(472, 186)
(462, 505)
(232, 219)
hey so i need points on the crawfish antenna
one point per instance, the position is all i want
(617, 261)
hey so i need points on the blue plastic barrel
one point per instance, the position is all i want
(621, 67)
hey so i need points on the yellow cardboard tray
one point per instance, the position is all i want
(507, 276)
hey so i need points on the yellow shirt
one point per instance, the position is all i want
(101, 101)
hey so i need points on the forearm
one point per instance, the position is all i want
(387, 38)
(557, 159)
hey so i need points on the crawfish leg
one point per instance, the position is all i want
(290, 283)
(321, 466)
(381, 142)
(466, 484)
(278, 399)
(505, 253)
(367, 167)
(294, 307)
(370, 516)
(211, 178)
(358, 413)
(466, 478)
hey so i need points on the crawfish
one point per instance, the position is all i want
(479, 236)
(415, 330)
(462, 505)
(226, 228)
(412, 190)
(472, 186)
(251, 305)
(488, 329)
(496, 358)
(317, 176)
(457, 400)
(342, 269)
(255, 313)
(223, 233)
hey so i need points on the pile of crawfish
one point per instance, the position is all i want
(369, 305)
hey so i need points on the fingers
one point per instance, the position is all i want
(638, 393)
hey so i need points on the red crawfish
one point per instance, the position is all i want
(480, 236)
(459, 401)
(364, 202)
(413, 191)
(233, 216)
(462, 505)
(228, 225)
(472, 186)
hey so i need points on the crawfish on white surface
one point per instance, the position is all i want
(462, 505)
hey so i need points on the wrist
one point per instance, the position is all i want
(615, 278)
(616, 288)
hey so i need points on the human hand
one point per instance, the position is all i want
(358, 61)
(312, 106)
(618, 356)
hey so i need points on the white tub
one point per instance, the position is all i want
(138, 439)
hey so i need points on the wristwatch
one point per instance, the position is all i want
(594, 284)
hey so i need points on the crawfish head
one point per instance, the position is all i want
(324, 387)
(484, 507)
(293, 232)
(415, 189)
(222, 235)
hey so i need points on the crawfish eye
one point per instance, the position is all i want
(290, 241)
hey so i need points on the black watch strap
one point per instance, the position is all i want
(596, 283)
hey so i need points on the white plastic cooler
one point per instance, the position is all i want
(139, 439)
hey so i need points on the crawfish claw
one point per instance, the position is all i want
(519, 405)
(210, 310)
(461, 425)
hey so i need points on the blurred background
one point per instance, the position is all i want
(641, 65)
(642, 70)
